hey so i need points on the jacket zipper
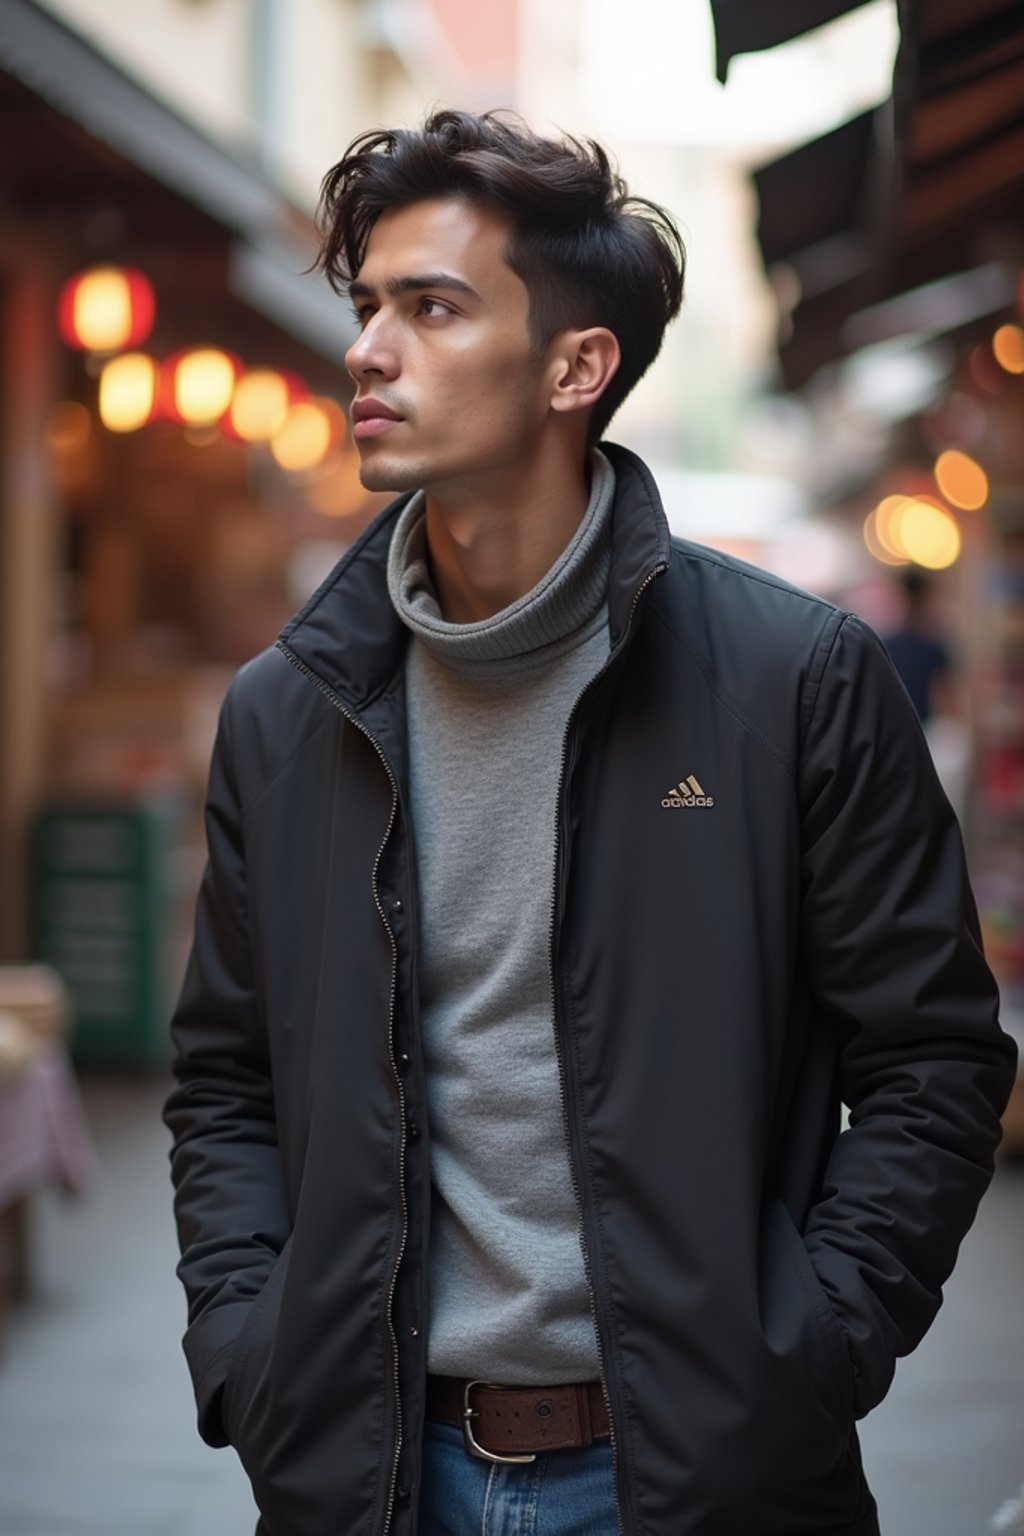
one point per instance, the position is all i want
(333, 698)
(567, 1123)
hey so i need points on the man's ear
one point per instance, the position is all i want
(585, 362)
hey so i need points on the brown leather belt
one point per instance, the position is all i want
(518, 1423)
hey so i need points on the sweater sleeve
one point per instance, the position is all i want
(230, 1203)
(894, 955)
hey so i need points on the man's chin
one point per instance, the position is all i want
(381, 474)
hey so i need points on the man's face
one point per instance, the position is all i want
(445, 346)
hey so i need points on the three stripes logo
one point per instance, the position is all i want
(686, 793)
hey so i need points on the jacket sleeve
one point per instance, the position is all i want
(894, 959)
(230, 1204)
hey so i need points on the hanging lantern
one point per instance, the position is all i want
(202, 382)
(261, 401)
(104, 309)
(127, 392)
(310, 429)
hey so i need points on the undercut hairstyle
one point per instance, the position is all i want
(588, 252)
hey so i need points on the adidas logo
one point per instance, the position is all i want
(686, 793)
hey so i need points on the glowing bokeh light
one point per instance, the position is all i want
(259, 406)
(127, 392)
(204, 381)
(336, 418)
(106, 308)
(1008, 348)
(961, 480)
(304, 439)
(874, 543)
(337, 490)
(884, 527)
(927, 534)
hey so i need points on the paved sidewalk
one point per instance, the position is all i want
(97, 1430)
(97, 1423)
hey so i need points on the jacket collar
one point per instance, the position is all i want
(349, 635)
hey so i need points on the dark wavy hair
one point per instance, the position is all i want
(588, 252)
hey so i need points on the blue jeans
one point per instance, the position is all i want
(562, 1493)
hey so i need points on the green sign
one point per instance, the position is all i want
(101, 911)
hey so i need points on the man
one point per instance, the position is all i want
(564, 879)
(916, 650)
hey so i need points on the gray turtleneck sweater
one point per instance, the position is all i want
(488, 705)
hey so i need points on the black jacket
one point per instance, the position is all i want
(760, 910)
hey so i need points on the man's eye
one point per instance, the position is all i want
(361, 312)
(433, 307)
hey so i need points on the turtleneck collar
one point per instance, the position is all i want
(557, 612)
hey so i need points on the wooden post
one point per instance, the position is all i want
(28, 547)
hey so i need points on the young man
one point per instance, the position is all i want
(564, 879)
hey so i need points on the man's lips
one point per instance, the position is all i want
(371, 417)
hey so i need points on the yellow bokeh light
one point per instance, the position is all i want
(204, 382)
(127, 391)
(928, 535)
(103, 309)
(259, 405)
(884, 527)
(873, 540)
(336, 418)
(337, 490)
(961, 480)
(1008, 347)
(303, 440)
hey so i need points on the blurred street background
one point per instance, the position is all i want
(842, 402)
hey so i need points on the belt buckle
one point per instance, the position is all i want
(472, 1445)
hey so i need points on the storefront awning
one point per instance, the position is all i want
(930, 184)
(745, 27)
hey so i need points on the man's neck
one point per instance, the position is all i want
(489, 549)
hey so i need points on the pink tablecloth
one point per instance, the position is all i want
(43, 1133)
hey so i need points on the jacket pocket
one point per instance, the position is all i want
(772, 1441)
(803, 1336)
(252, 1347)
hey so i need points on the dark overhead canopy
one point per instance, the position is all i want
(818, 192)
(748, 26)
(815, 207)
(960, 101)
(928, 185)
(80, 135)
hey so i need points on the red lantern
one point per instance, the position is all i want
(196, 384)
(105, 309)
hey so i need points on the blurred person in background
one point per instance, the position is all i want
(926, 669)
(563, 879)
(918, 652)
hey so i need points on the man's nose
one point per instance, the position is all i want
(373, 351)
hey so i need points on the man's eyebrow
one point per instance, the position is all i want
(414, 283)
